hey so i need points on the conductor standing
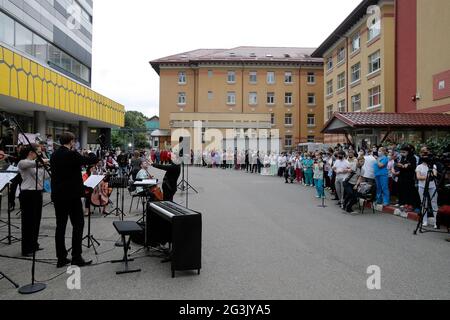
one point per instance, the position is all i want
(173, 171)
(67, 191)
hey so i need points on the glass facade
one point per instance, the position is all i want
(16, 35)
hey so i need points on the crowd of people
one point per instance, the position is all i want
(394, 175)
(389, 176)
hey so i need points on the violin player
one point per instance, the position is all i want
(31, 198)
(67, 191)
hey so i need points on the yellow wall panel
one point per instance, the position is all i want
(50, 92)
(23, 87)
(26, 65)
(14, 84)
(17, 61)
(44, 91)
(8, 56)
(41, 72)
(4, 79)
(31, 93)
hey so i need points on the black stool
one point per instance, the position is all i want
(126, 228)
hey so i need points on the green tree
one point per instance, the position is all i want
(134, 132)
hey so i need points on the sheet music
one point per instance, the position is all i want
(5, 178)
(93, 181)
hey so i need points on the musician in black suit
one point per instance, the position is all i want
(170, 181)
(67, 191)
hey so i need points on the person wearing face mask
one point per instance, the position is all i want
(31, 198)
(382, 178)
(308, 170)
(342, 169)
(408, 196)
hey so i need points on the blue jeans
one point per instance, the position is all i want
(319, 187)
(383, 195)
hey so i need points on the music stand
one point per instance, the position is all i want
(92, 182)
(120, 190)
(5, 179)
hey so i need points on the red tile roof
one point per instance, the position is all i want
(391, 120)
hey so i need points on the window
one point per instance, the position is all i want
(311, 120)
(374, 62)
(182, 77)
(288, 119)
(330, 112)
(312, 99)
(40, 51)
(253, 77)
(272, 118)
(288, 141)
(375, 97)
(210, 73)
(271, 98)
(374, 29)
(253, 98)
(311, 78)
(356, 42)
(288, 77)
(231, 77)
(271, 77)
(210, 95)
(231, 98)
(181, 98)
(341, 55)
(341, 106)
(341, 81)
(356, 72)
(311, 139)
(24, 39)
(288, 98)
(442, 85)
(6, 29)
(330, 88)
(330, 63)
(66, 62)
(356, 103)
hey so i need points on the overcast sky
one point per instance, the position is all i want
(128, 34)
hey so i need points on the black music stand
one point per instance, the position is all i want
(4, 276)
(118, 211)
(92, 182)
(8, 176)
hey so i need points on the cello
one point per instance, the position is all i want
(100, 195)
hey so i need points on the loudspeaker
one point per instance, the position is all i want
(185, 149)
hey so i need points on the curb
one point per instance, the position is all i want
(395, 211)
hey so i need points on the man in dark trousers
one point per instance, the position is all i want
(170, 181)
(67, 191)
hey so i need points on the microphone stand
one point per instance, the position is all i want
(33, 287)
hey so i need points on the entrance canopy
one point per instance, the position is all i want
(346, 123)
(376, 128)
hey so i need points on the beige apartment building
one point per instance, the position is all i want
(246, 89)
(359, 63)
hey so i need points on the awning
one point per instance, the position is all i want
(342, 123)
(160, 133)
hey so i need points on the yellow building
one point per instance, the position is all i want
(246, 89)
(359, 62)
(45, 75)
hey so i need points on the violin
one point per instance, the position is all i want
(4, 156)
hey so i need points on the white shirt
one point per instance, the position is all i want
(340, 166)
(423, 171)
(282, 161)
(369, 171)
